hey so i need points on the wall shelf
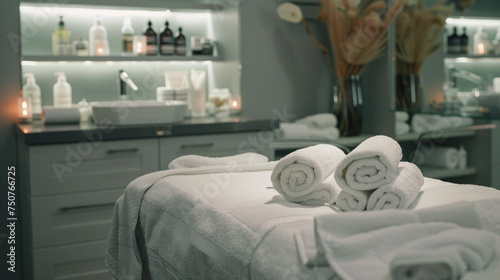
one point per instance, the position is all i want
(442, 173)
(82, 59)
(413, 136)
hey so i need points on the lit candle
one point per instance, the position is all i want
(139, 45)
(235, 103)
(481, 48)
(24, 113)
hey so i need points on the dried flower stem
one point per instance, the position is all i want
(323, 49)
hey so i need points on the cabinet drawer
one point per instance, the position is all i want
(90, 165)
(214, 145)
(74, 262)
(71, 218)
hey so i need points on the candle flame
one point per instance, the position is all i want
(481, 48)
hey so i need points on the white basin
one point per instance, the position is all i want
(126, 112)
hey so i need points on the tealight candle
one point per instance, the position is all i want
(24, 111)
(139, 45)
(235, 105)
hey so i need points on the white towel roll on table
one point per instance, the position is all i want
(60, 115)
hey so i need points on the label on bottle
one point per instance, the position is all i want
(167, 49)
(151, 49)
(180, 50)
(169, 40)
(127, 43)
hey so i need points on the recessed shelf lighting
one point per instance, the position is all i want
(473, 21)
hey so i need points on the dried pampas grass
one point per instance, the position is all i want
(357, 33)
(418, 31)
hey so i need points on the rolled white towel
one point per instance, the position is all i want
(326, 192)
(323, 120)
(301, 172)
(402, 117)
(449, 254)
(402, 128)
(190, 161)
(401, 192)
(371, 164)
(352, 200)
(443, 156)
(304, 132)
(422, 123)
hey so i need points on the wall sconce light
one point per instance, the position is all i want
(235, 105)
(139, 45)
(24, 111)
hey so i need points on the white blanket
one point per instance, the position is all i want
(190, 161)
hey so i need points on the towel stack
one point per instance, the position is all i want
(306, 175)
(314, 127)
(373, 178)
(402, 126)
(422, 123)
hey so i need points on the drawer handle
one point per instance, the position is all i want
(131, 150)
(80, 207)
(197, 145)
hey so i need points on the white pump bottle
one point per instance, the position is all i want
(62, 91)
(32, 91)
(98, 39)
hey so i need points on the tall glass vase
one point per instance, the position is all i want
(408, 92)
(348, 105)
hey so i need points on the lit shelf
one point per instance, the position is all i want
(448, 134)
(471, 58)
(283, 144)
(100, 59)
(442, 173)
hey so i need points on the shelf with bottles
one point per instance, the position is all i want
(472, 38)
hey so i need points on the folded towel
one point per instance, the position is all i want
(422, 123)
(190, 161)
(456, 122)
(60, 115)
(446, 255)
(352, 200)
(443, 156)
(402, 128)
(323, 120)
(305, 132)
(371, 164)
(402, 117)
(401, 192)
(301, 172)
(326, 192)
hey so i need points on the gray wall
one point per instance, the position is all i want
(9, 91)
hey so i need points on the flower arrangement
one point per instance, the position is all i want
(418, 33)
(357, 31)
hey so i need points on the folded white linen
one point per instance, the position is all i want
(326, 192)
(449, 254)
(361, 245)
(456, 122)
(371, 164)
(402, 128)
(322, 120)
(422, 123)
(301, 172)
(352, 200)
(399, 193)
(191, 161)
(402, 117)
(304, 132)
(442, 156)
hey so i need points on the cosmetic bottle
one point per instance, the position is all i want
(151, 40)
(127, 37)
(167, 41)
(454, 42)
(180, 43)
(98, 39)
(81, 47)
(60, 38)
(464, 42)
(62, 91)
(32, 91)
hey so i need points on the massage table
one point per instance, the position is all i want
(228, 222)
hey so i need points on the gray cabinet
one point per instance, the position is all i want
(68, 196)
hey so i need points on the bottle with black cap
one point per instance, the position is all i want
(151, 40)
(167, 41)
(180, 43)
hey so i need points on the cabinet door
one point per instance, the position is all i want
(66, 168)
(84, 261)
(63, 219)
(214, 145)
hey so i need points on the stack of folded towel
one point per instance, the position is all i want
(373, 178)
(422, 123)
(306, 175)
(314, 127)
(402, 126)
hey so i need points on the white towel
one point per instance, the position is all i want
(401, 192)
(402, 117)
(402, 128)
(302, 131)
(422, 123)
(449, 254)
(352, 200)
(326, 192)
(190, 161)
(301, 172)
(443, 156)
(371, 164)
(323, 120)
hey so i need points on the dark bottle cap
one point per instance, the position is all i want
(166, 23)
(180, 29)
(149, 23)
(61, 22)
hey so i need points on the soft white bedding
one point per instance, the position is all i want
(226, 223)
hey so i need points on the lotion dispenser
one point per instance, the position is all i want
(62, 91)
(32, 91)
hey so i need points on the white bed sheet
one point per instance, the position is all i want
(217, 224)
